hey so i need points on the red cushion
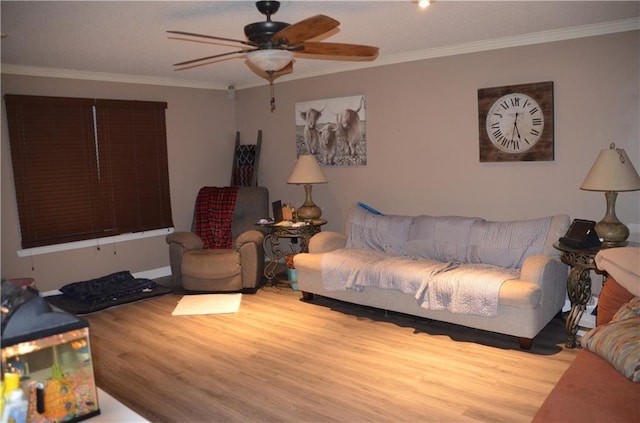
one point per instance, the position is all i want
(612, 297)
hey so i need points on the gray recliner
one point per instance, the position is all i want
(214, 270)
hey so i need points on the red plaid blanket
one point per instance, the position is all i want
(214, 213)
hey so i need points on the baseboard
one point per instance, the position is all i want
(154, 273)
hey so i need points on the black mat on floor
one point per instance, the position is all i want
(78, 307)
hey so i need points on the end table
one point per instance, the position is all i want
(581, 262)
(299, 230)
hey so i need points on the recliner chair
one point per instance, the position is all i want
(239, 268)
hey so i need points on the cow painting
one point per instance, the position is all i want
(333, 130)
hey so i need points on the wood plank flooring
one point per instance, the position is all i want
(281, 359)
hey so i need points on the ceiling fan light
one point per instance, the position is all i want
(270, 60)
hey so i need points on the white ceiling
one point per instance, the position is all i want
(126, 40)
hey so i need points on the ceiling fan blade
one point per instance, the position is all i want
(339, 49)
(305, 29)
(188, 62)
(191, 34)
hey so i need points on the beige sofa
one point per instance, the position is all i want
(397, 263)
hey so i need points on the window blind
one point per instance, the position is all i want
(86, 168)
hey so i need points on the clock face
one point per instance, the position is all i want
(515, 123)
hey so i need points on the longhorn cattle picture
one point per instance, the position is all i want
(333, 130)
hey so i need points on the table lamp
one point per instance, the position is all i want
(307, 171)
(611, 173)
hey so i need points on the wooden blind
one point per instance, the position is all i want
(133, 161)
(80, 178)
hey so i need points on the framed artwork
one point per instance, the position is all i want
(333, 130)
(516, 123)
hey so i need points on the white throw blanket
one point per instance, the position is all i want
(468, 289)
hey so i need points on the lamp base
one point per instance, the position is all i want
(612, 232)
(308, 211)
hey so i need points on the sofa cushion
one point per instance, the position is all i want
(507, 244)
(617, 342)
(612, 297)
(377, 232)
(443, 238)
(211, 264)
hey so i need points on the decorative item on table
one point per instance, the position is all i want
(612, 172)
(289, 213)
(307, 171)
(292, 273)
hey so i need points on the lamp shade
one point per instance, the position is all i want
(612, 171)
(307, 171)
(270, 60)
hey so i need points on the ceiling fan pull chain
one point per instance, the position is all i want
(273, 96)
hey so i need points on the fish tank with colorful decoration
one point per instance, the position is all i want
(48, 354)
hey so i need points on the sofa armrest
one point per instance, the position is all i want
(550, 274)
(249, 245)
(323, 242)
(540, 267)
(187, 240)
(180, 243)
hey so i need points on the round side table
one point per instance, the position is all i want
(581, 262)
(283, 230)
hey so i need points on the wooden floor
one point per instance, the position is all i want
(281, 359)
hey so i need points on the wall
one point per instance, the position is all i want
(200, 137)
(422, 132)
(422, 135)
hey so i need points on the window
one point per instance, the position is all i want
(87, 168)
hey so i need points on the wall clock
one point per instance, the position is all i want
(516, 123)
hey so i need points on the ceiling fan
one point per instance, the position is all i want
(270, 45)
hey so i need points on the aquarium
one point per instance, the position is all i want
(48, 355)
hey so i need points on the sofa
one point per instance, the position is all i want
(504, 277)
(602, 384)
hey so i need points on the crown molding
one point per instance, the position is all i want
(584, 31)
(107, 77)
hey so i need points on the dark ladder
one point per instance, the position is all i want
(244, 172)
